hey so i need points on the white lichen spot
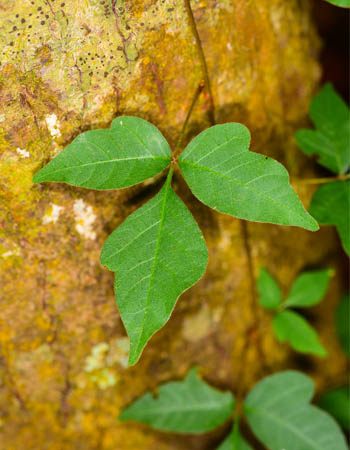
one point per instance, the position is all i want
(53, 214)
(23, 152)
(84, 217)
(2, 118)
(119, 352)
(14, 252)
(96, 360)
(104, 378)
(53, 125)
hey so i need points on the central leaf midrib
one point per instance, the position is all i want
(241, 183)
(264, 412)
(110, 161)
(162, 217)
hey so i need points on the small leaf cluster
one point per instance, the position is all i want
(330, 141)
(159, 251)
(307, 290)
(277, 410)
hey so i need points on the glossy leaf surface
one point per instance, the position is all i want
(157, 253)
(331, 139)
(128, 152)
(188, 406)
(330, 206)
(293, 328)
(309, 288)
(223, 174)
(279, 412)
(270, 295)
(341, 3)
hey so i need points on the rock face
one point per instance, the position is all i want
(71, 66)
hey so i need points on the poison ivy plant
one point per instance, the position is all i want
(331, 143)
(159, 251)
(307, 290)
(277, 409)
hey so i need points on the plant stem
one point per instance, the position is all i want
(182, 133)
(322, 180)
(211, 111)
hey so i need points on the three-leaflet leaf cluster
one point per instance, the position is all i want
(277, 409)
(159, 251)
(307, 290)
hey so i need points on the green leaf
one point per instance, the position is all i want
(189, 406)
(342, 323)
(337, 403)
(270, 295)
(157, 253)
(293, 328)
(309, 288)
(129, 152)
(330, 140)
(330, 206)
(235, 441)
(225, 175)
(279, 413)
(341, 3)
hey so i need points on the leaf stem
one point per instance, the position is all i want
(322, 180)
(184, 126)
(211, 111)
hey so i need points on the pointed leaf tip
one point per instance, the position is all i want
(223, 174)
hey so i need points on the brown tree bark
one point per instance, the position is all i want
(72, 66)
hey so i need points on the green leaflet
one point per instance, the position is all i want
(290, 326)
(342, 323)
(341, 3)
(279, 413)
(330, 206)
(270, 295)
(331, 139)
(129, 152)
(309, 288)
(157, 253)
(188, 406)
(235, 440)
(225, 175)
(337, 403)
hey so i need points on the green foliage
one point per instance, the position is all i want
(157, 253)
(235, 440)
(270, 294)
(277, 409)
(331, 143)
(337, 403)
(223, 174)
(129, 152)
(341, 3)
(307, 290)
(330, 206)
(279, 412)
(293, 328)
(330, 140)
(342, 323)
(189, 406)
